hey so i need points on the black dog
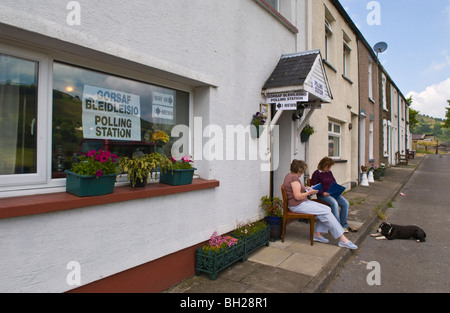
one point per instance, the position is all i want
(391, 231)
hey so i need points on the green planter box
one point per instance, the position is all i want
(254, 242)
(88, 186)
(177, 177)
(213, 263)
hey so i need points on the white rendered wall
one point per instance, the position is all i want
(232, 46)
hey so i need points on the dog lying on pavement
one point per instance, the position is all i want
(391, 231)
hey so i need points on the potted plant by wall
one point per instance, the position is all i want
(142, 167)
(273, 208)
(254, 235)
(93, 175)
(307, 131)
(218, 253)
(383, 169)
(257, 120)
(178, 172)
(376, 172)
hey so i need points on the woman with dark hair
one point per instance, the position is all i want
(298, 202)
(324, 176)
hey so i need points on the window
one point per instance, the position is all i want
(385, 138)
(346, 59)
(383, 92)
(371, 157)
(18, 115)
(328, 34)
(50, 112)
(273, 4)
(334, 140)
(23, 117)
(328, 37)
(370, 82)
(93, 110)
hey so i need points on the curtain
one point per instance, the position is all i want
(9, 123)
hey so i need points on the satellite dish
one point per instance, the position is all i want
(380, 47)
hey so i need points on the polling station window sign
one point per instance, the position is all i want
(95, 110)
(110, 114)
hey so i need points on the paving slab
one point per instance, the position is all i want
(294, 266)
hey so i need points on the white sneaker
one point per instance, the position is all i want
(349, 245)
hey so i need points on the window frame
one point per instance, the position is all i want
(334, 134)
(15, 181)
(42, 181)
(370, 73)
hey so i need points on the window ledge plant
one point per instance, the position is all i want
(178, 172)
(96, 163)
(93, 175)
(140, 167)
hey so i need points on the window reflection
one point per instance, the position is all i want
(94, 110)
(18, 112)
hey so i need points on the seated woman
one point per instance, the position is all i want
(298, 202)
(324, 176)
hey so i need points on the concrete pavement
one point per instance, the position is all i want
(295, 266)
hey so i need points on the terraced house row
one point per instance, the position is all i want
(83, 75)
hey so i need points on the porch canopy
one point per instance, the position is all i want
(299, 79)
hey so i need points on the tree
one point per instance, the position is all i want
(412, 115)
(447, 117)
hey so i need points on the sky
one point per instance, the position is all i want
(418, 56)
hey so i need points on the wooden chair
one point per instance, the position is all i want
(287, 214)
(401, 159)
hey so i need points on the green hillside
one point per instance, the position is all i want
(431, 125)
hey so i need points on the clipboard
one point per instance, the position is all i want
(336, 190)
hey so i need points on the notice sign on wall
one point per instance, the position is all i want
(287, 100)
(111, 114)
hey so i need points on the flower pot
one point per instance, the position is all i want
(304, 137)
(255, 132)
(177, 177)
(213, 263)
(139, 183)
(275, 225)
(88, 186)
(377, 175)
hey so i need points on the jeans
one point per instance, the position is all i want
(325, 220)
(335, 204)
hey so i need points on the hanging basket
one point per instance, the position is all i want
(304, 137)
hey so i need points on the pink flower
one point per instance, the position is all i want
(98, 173)
(91, 153)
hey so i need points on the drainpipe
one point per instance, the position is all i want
(274, 121)
(358, 180)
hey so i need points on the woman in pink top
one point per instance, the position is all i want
(298, 202)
